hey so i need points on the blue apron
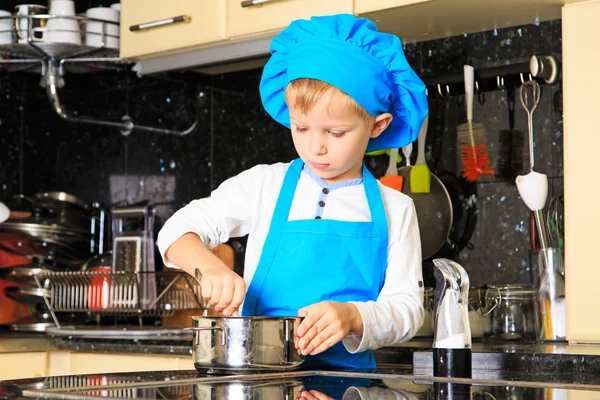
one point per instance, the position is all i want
(304, 262)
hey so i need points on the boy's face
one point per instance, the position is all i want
(331, 138)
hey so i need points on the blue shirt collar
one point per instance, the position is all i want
(323, 184)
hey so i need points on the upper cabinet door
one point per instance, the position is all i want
(203, 22)
(277, 14)
(365, 6)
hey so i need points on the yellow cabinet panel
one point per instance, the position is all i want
(365, 6)
(277, 14)
(581, 140)
(206, 24)
(23, 365)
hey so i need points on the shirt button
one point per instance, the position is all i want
(322, 203)
(317, 217)
(325, 190)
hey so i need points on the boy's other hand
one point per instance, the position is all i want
(223, 288)
(325, 324)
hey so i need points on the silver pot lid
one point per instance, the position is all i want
(26, 295)
(38, 227)
(62, 197)
(25, 273)
(50, 249)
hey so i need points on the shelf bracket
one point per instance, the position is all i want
(53, 80)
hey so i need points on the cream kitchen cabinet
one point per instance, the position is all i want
(23, 365)
(203, 22)
(420, 20)
(365, 6)
(277, 14)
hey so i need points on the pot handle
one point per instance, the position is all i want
(215, 328)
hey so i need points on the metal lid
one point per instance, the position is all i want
(33, 327)
(21, 273)
(37, 227)
(511, 292)
(26, 295)
(62, 197)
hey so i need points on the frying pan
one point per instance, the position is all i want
(434, 213)
(434, 209)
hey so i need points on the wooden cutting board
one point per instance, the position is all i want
(183, 318)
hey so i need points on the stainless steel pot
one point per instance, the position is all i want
(245, 344)
(236, 390)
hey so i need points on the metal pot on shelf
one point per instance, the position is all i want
(224, 345)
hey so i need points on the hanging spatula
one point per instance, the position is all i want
(391, 178)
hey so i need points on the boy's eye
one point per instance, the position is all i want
(299, 129)
(337, 134)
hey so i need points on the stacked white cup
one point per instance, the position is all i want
(5, 27)
(63, 30)
(105, 32)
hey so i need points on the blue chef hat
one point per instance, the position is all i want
(350, 54)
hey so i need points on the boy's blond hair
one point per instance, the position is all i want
(304, 93)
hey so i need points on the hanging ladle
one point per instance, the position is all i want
(198, 277)
(533, 187)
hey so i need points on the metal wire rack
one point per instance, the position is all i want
(141, 294)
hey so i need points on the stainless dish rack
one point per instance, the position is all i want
(141, 294)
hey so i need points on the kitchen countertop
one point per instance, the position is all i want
(552, 362)
(385, 383)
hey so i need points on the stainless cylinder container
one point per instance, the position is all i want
(245, 344)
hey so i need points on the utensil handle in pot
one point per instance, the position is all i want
(214, 328)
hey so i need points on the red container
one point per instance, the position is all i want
(99, 293)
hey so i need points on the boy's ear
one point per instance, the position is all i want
(380, 124)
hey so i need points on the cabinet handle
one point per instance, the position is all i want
(162, 22)
(250, 3)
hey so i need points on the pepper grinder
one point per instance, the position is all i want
(452, 332)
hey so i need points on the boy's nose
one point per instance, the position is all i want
(317, 144)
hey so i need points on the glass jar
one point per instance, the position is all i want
(513, 311)
(480, 319)
(426, 329)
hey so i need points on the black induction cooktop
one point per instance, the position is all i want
(393, 382)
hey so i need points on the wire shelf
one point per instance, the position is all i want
(87, 44)
(119, 293)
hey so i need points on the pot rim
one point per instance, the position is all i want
(199, 317)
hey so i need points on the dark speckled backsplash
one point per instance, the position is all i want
(39, 151)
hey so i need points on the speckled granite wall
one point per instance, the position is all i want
(38, 151)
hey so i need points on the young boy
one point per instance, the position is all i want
(326, 241)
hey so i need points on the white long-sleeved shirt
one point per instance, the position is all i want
(244, 205)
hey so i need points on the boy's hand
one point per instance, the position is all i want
(325, 324)
(223, 288)
(313, 395)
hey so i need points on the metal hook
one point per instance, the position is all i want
(523, 79)
(500, 82)
(480, 95)
(439, 87)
